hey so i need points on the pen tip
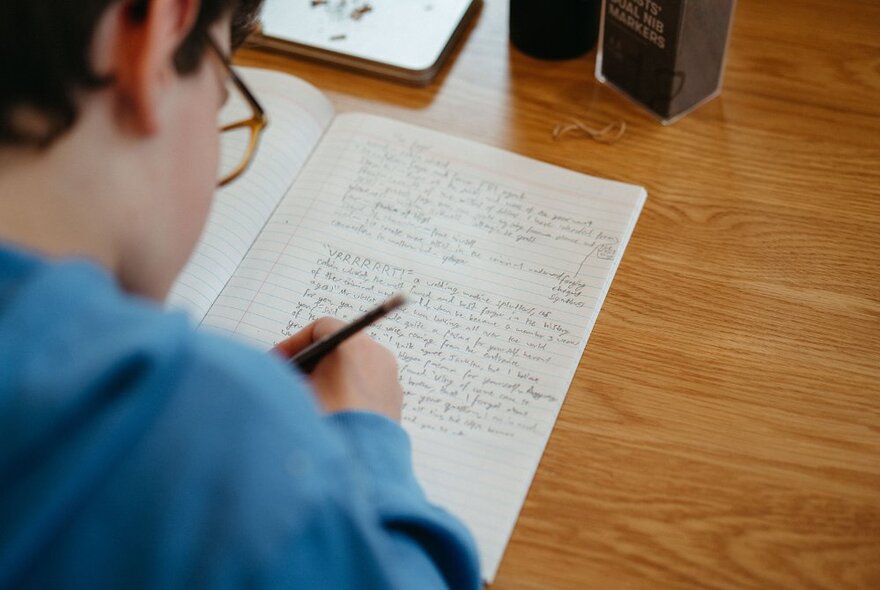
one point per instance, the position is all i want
(395, 301)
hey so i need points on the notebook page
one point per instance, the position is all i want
(507, 261)
(298, 115)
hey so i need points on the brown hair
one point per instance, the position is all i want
(44, 58)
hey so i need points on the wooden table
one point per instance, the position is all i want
(723, 430)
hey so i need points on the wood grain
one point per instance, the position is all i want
(723, 430)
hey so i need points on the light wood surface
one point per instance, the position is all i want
(723, 429)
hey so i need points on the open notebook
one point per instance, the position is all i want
(507, 261)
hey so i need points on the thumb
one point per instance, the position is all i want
(314, 331)
(297, 342)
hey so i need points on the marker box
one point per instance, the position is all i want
(666, 55)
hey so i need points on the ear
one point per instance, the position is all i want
(145, 47)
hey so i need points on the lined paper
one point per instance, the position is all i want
(507, 261)
(298, 116)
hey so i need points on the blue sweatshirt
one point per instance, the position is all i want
(136, 452)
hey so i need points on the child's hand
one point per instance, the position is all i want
(360, 374)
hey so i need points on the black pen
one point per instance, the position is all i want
(308, 358)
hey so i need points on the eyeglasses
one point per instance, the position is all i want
(239, 151)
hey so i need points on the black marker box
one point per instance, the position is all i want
(666, 55)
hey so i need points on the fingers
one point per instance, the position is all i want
(325, 326)
(360, 374)
(314, 331)
(291, 346)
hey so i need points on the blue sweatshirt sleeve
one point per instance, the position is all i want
(345, 511)
(437, 547)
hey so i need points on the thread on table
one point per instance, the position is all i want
(608, 134)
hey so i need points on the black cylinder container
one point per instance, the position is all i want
(554, 29)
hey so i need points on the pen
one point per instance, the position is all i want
(308, 358)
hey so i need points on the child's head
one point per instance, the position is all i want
(116, 97)
(48, 59)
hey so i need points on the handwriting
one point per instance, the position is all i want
(406, 196)
(469, 360)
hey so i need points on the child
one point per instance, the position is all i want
(134, 451)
